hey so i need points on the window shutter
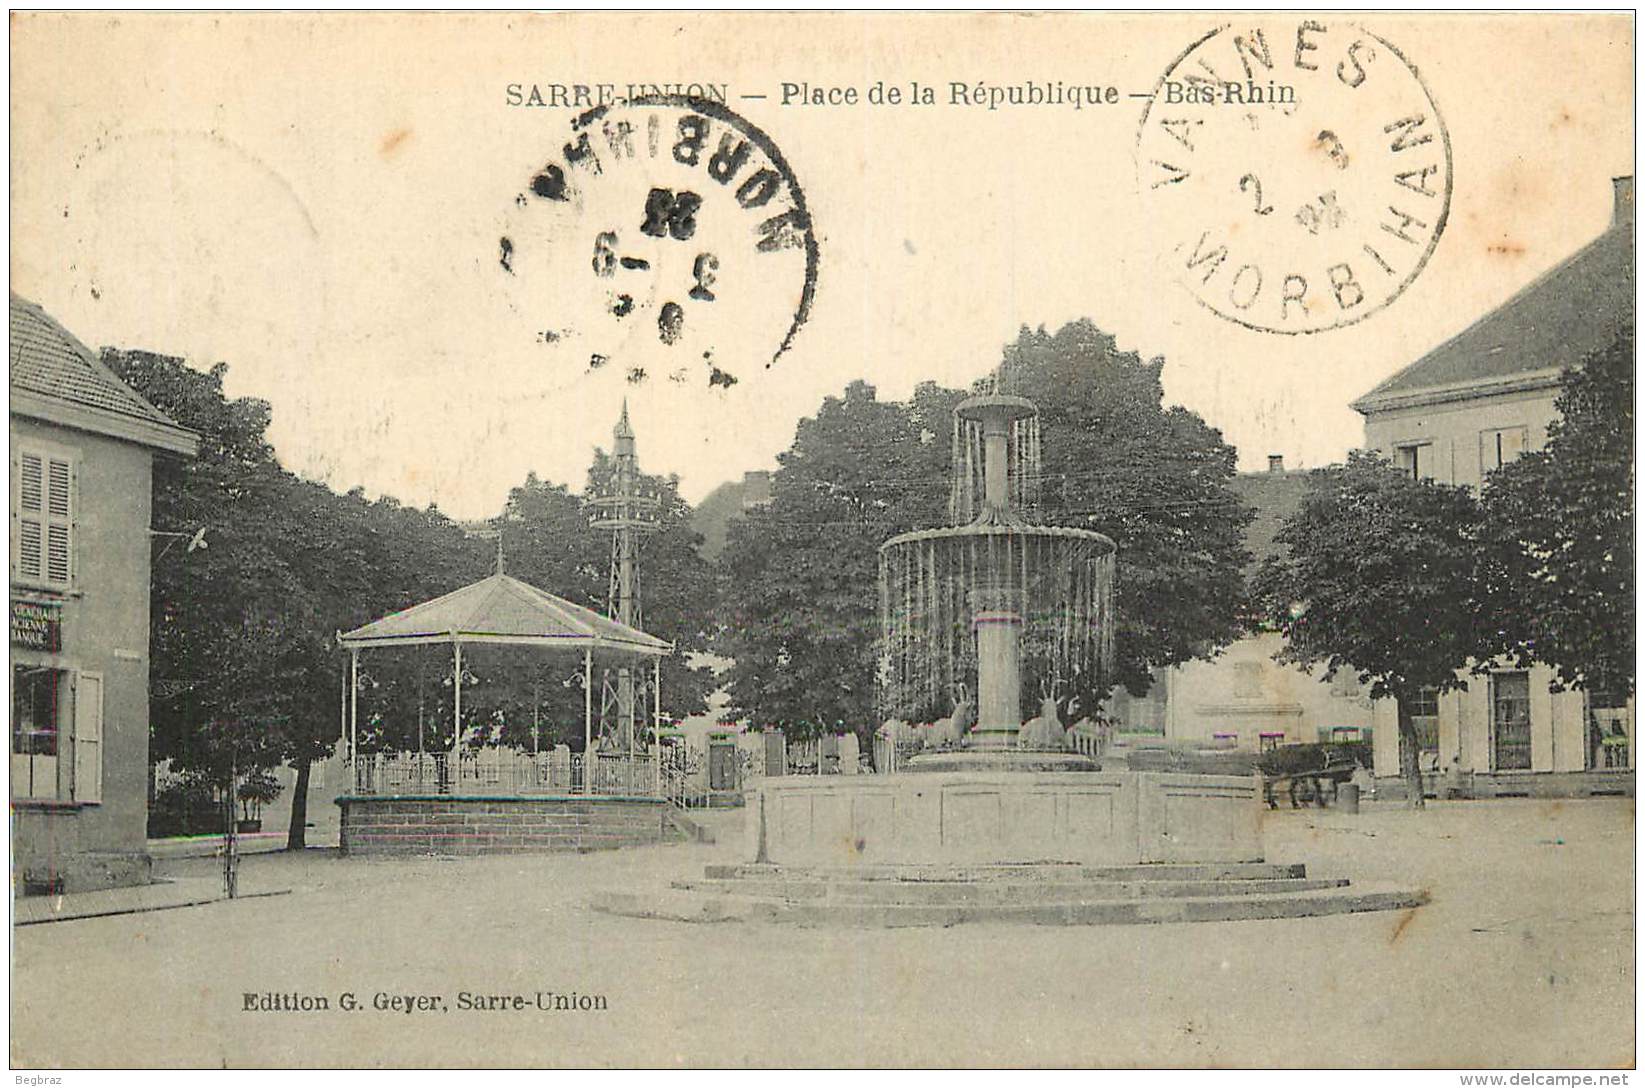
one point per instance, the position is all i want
(33, 484)
(31, 523)
(59, 527)
(88, 738)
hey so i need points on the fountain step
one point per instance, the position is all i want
(699, 906)
(1052, 871)
(999, 891)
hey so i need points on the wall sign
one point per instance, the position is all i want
(37, 625)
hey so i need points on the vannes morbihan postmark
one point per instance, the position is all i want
(1301, 170)
(665, 237)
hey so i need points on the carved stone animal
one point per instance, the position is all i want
(1044, 732)
(943, 734)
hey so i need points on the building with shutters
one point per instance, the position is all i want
(83, 446)
(1472, 404)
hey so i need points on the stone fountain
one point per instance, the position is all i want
(959, 604)
(997, 821)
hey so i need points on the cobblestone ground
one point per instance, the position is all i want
(1524, 958)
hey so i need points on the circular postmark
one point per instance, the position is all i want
(1300, 169)
(668, 237)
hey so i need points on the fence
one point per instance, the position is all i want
(891, 751)
(690, 782)
(504, 772)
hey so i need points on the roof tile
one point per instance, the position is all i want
(1572, 309)
(49, 360)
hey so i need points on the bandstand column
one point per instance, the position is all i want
(457, 706)
(657, 724)
(354, 706)
(588, 721)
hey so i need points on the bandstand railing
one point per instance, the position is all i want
(505, 772)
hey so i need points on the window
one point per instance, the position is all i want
(1499, 446)
(1416, 460)
(54, 758)
(1247, 680)
(43, 516)
(36, 707)
(1425, 721)
(1345, 684)
(1609, 730)
(1268, 741)
(1511, 720)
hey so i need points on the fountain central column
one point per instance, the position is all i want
(996, 612)
(996, 619)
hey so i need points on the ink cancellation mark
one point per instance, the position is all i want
(668, 236)
(1302, 170)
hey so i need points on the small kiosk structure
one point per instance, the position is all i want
(486, 800)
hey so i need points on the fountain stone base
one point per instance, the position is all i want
(973, 815)
(999, 760)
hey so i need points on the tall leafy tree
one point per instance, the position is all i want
(242, 630)
(800, 598)
(1559, 534)
(1377, 574)
(800, 574)
(1154, 477)
(232, 626)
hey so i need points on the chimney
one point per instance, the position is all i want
(1276, 463)
(1622, 210)
(756, 488)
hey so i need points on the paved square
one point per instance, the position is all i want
(1524, 958)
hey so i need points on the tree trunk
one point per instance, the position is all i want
(1409, 755)
(297, 835)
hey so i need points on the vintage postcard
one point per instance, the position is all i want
(822, 539)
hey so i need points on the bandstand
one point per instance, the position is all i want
(493, 800)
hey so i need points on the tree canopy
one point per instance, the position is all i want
(1558, 537)
(245, 669)
(1377, 575)
(1154, 477)
(800, 575)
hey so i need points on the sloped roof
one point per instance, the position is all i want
(56, 377)
(503, 609)
(1574, 308)
(1275, 496)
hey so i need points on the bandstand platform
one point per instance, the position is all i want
(470, 800)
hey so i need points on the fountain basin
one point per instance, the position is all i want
(998, 760)
(1015, 816)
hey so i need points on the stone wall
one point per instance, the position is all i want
(445, 825)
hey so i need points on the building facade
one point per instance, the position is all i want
(1243, 699)
(82, 451)
(1474, 403)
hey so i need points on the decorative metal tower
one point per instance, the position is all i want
(630, 511)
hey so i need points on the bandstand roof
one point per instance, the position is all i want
(502, 609)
